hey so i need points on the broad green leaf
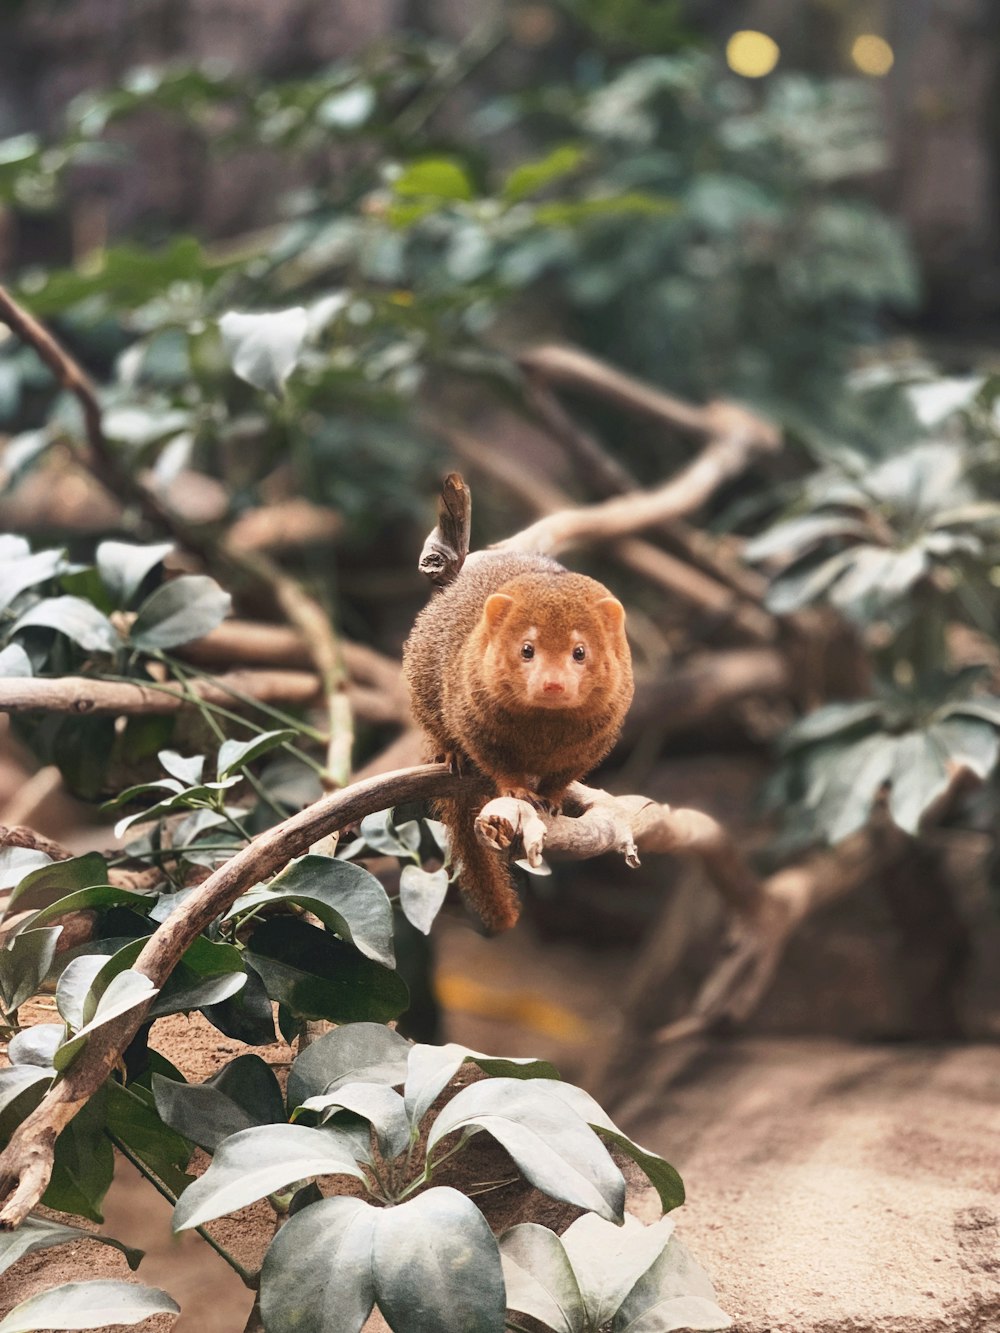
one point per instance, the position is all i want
(123, 566)
(608, 1260)
(88, 1305)
(36, 1045)
(317, 1275)
(347, 108)
(183, 609)
(51, 882)
(259, 1161)
(41, 1233)
(436, 1266)
(846, 791)
(242, 1095)
(551, 1145)
(21, 1089)
(431, 1068)
(347, 899)
(436, 177)
(208, 973)
(798, 535)
(125, 992)
(234, 755)
(357, 1053)
(987, 708)
(14, 662)
(919, 776)
(97, 897)
(540, 1279)
(16, 862)
(831, 720)
(74, 985)
(377, 1103)
(317, 976)
(421, 895)
(661, 1175)
(24, 962)
(84, 1162)
(246, 1016)
(78, 620)
(263, 350)
(530, 177)
(968, 742)
(674, 1293)
(379, 833)
(132, 1117)
(19, 574)
(186, 770)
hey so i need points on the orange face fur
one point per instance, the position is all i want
(551, 646)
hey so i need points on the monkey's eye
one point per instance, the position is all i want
(527, 651)
(579, 653)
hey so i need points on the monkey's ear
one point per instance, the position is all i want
(612, 613)
(496, 610)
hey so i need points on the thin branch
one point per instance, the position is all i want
(677, 577)
(80, 694)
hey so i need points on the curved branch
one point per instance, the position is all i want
(26, 1162)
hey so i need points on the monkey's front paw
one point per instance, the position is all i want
(456, 761)
(533, 798)
(496, 831)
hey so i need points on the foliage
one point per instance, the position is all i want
(906, 546)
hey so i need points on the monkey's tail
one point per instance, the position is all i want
(483, 876)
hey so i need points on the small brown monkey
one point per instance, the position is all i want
(521, 669)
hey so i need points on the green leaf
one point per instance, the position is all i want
(186, 770)
(551, 1145)
(608, 1260)
(317, 976)
(242, 1095)
(431, 1264)
(49, 883)
(260, 1161)
(126, 991)
(132, 1117)
(75, 983)
(919, 776)
(540, 1279)
(421, 895)
(347, 899)
(84, 1163)
(181, 610)
(674, 1293)
(431, 1068)
(14, 662)
(849, 783)
(831, 720)
(24, 962)
(16, 862)
(358, 1053)
(234, 755)
(123, 566)
(377, 1103)
(347, 108)
(264, 350)
(246, 1016)
(88, 1305)
(36, 1045)
(985, 707)
(78, 620)
(798, 535)
(207, 973)
(661, 1175)
(317, 1275)
(436, 1266)
(41, 1233)
(433, 177)
(21, 1089)
(530, 177)
(96, 898)
(967, 742)
(17, 574)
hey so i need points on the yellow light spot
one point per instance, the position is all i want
(752, 54)
(872, 54)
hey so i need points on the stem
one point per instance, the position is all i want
(278, 714)
(431, 1167)
(248, 1278)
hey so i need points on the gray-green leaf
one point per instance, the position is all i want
(88, 1305)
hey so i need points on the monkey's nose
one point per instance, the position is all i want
(553, 687)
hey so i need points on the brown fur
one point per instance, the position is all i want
(532, 726)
